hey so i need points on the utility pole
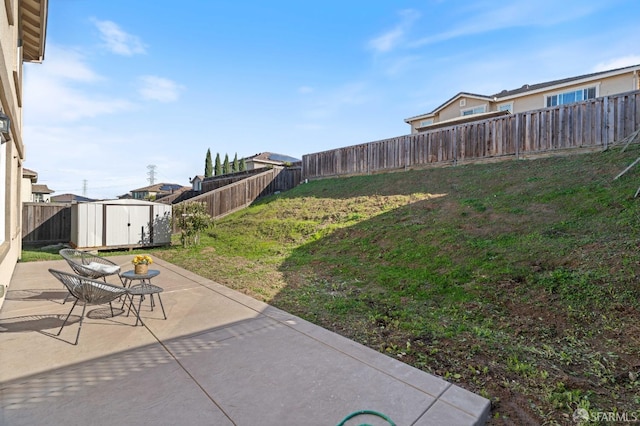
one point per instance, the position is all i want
(84, 187)
(151, 173)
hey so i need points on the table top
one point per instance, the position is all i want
(131, 274)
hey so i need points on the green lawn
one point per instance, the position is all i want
(516, 280)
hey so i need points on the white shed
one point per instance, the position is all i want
(120, 224)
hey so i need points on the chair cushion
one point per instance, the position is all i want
(102, 268)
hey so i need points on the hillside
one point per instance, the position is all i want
(516, 280)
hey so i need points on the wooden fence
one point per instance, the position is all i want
(590, 124)
(46, 223)
(235, 196)
(215, 182)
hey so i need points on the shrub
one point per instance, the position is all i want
(192, 218)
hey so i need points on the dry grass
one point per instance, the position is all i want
(516, 280)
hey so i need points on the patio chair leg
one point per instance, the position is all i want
(68, 315)
(84, 307)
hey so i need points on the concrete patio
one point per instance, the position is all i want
(221, 358)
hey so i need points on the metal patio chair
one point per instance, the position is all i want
(89, 265)
(90, 292)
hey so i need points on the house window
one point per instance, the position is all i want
(571, 97)
(506, 107)
(426, 122)
(477, 110)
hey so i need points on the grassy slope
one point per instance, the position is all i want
(516, 280)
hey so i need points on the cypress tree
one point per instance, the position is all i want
(218, 169)
(243, 166)
(236, 165)
(208, 165)
(226, 167)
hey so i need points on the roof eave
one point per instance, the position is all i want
(447, 103)
(33, 18)
(580, 80)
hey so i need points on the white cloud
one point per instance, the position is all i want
(118, 41)
(483, 17)
(55, 90)
(620, 62)
(68, 64)
(65, 156)
(392, 38)
(159, 89)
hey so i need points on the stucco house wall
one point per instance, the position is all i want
(454, 109)
(22, 34)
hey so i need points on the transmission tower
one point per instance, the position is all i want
(84, 187)
(151, 173)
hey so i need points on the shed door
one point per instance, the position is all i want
(126, 225)
(139, 228)
(116, 220)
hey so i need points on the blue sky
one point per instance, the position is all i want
(126, 84)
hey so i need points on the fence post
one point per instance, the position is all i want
(605, 140)
(406, 152)
(517, 141)
(368, 146)
(455, 146)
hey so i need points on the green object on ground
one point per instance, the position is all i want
(364, 412)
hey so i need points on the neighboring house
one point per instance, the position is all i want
(269, 159)
(23, 27)
(30, 191)
(153, 192)
(29, 177)
(196, 182)
(41, 194)
(70, 198)
(465, 107)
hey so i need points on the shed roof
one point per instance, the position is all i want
(127, 202)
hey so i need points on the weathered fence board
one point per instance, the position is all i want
(589, 124)
(46, 223)
(232, 197)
